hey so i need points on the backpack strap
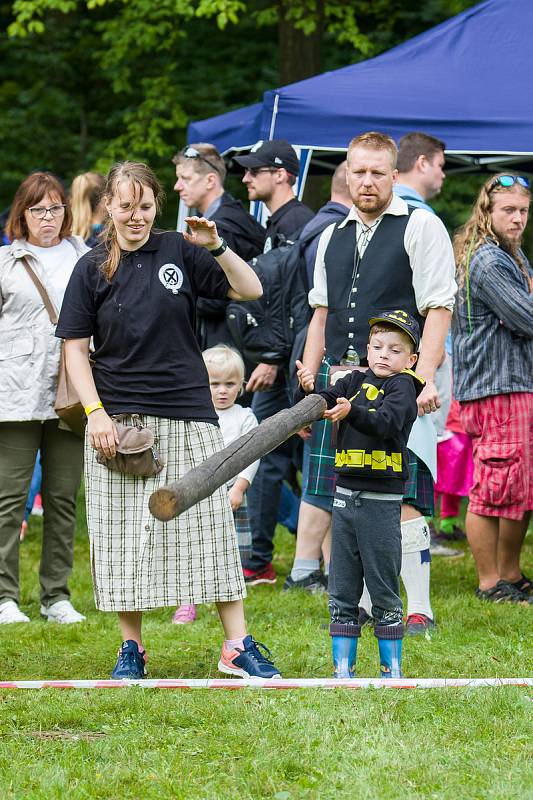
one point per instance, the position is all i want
(45, 297)
(316, 231)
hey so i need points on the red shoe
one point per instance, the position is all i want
(253, 577)
(418, 624)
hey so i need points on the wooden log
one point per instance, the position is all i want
(200, 482)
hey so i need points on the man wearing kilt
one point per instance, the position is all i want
(387, 255)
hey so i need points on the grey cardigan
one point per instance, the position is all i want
(29, 351)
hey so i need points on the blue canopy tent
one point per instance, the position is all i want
(466, 81)
(234, 130)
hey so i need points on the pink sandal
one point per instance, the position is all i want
(184, 614)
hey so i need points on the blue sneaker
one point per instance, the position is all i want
(248, 663)
(130, 663)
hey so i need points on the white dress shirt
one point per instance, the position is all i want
(426, 243)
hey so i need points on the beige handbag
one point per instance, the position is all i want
(67, 403)
(136, 451)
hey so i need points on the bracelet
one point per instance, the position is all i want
(93, 407)
(223, 246)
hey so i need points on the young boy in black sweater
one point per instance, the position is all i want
(376, 410)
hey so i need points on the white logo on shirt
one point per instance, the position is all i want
(171, 277)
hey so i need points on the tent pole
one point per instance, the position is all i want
(274, 115)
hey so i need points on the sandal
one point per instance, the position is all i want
(524, 585)
(504, 592)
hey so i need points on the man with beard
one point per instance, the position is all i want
(387, 255)
(493, 380)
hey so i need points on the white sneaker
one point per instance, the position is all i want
(63, 612)
(10, 612)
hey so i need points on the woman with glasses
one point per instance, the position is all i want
(39, 227)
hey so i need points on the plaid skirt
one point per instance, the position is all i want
(321, 478)
(140, 563)
(419, 488)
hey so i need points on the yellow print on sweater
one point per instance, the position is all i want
(377, 459)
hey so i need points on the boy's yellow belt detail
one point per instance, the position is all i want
(377, 459)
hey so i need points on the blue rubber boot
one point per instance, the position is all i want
(344, 640)
(390, 640)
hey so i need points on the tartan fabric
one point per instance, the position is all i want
(419, 488)
(321, 478)
(140, 563)
(501, 428)
(244, 531)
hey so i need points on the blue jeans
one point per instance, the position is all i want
(265, 492)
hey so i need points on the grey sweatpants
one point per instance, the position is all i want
(366, 543)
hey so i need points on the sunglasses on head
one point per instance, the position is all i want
(192, 152)
(506, 181)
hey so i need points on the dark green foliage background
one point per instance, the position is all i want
(103, 80)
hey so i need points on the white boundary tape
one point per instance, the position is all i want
(279, 683)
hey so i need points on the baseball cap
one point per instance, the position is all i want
(402, 320)
(273, 153)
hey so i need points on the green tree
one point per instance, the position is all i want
(89, 81)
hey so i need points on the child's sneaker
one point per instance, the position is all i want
(184, 614)
(249, 662)
(131, 662)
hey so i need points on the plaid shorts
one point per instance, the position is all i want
(140, 563)
(501, 428)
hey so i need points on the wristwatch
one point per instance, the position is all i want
(223, 246)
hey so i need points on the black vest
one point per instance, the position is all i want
(384, 283)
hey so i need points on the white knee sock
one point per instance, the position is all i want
(365, 601)
(414, 572)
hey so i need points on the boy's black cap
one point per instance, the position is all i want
(402, 320)
(274, 153)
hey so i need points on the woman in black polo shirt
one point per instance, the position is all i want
(135, 294)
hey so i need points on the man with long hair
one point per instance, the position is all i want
(493, 380)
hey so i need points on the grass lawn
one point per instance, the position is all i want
(375, 744)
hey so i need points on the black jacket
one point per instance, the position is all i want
(243, 233)
(246, 237)
(371, 453)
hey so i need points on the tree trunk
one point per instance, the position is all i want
(299, 55)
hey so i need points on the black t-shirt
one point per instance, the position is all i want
(288, 221)
(147, 359)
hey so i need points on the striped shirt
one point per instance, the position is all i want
(493, 352)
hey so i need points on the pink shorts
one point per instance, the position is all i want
(501, 428)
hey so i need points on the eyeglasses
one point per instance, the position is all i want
(253, 171)
(192, 152)
(506, 181)
(40, 212)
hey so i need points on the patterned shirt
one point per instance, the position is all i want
(493, 350)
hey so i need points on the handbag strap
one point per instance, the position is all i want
(45, 297)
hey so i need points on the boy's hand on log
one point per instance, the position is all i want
(305, 377)
(340, 411)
